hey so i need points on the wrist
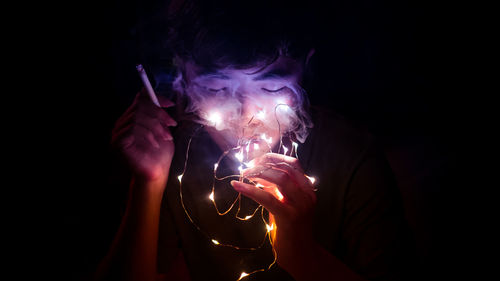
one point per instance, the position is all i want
(148, 186)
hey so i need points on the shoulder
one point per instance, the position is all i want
(338, 137)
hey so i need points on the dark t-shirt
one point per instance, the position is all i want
(359, 216)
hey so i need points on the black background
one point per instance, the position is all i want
(392, 67)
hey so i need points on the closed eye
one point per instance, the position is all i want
(217, 90)
(273, 91)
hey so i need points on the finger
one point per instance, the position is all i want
(278, 158)
(147, 135)
(119, 133)
(260, 196)
(286, 185)
(297, 176)
(126, 119)
(157, 113)
(159, 129)
(165, 102)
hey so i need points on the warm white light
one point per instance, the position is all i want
(243, 275)
(249, 164)
(259, 185)
(215, 242)
(261, 115)
(240, 168)
(256, 146)
(285, 149)
(281, 101)
(211, 196)
(269, 227)
(239, 156)
(268, 140)
(215, 166)
(214, 117)
(248, 217)
(312, 179)
(278, 193)
(180, 178)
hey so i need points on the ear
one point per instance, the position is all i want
(309, 55)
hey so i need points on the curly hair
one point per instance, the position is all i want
(238, 34)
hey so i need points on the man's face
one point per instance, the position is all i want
(242, 104)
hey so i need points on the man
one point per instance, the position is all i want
(240, 71)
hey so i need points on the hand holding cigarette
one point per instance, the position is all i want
(142, 135)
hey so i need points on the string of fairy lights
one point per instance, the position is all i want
(241, 153)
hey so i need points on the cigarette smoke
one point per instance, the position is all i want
(256, 112)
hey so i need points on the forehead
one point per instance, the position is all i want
(283, 68)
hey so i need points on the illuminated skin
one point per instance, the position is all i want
(142, 136)
(292, 213)
(229, 98)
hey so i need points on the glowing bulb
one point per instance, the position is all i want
(281, 101)
(215, 242)
(278, 193)
(269, 227)
(248, 217)
(259, 185)
(256, 146)
(268, 140)
(312, 179)
(243, 275)
(261, 115)
(215, 117)
(239, 156)
(211, 196)
(285, 149)
(180, 178)
(215, 166)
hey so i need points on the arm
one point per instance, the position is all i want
(297, 252)
(134, 250)
(143, 138)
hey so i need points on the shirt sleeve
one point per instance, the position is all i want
(375, 236)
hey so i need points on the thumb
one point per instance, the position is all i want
(262, 197)
(165, 102)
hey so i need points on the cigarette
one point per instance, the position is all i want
(147, 84)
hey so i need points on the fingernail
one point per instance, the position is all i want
(237, 185)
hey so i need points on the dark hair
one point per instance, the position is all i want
(238, 33)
